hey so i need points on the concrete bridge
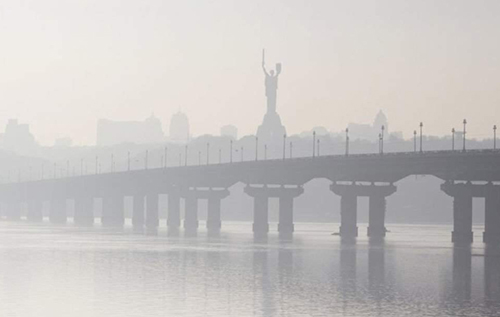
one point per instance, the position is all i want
(465, 175)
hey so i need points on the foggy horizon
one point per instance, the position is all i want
(67, 65)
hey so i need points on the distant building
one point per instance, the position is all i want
(367, 131)
(140, 132)
(229, 131)
(63, 142)
(17, 137)
(179, 128)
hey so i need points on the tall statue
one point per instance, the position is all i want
(271, 85)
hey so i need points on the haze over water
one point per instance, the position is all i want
(47, 270)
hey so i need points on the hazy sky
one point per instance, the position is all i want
(64, 64)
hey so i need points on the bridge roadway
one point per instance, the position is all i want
(474, 173)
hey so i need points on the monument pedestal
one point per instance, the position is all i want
(271, 130)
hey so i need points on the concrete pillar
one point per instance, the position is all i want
(113, 213)
(376, 216)
(349, 216)
(213, 216)
(462, 219)
(152, 218)
(191, 214)
(260, 214)
(492, 218)
(174, 211)
(285, 225)
(462, 210)
(138, 211)
(58, 211)
(34, 211)
(84, 211)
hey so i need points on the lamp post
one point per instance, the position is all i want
(199, 157)
(96, 164)
(220, 156)
(318, 147)
(241, 154)
(291, 149)
(415, 141)
(314, 144)
(421, 127)
(265, 151)
(465, 131)
(382, 140)
(453, 139)
(112, 163)
(495, 137)
(379, 143)
(146, 160)
(284, 146)
(346, 141)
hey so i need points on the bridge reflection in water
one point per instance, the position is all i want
(97, 272)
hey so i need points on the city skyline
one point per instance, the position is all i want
(436, 63)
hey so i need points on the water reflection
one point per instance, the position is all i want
(102, 273)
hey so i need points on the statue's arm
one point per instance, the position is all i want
(264, 69)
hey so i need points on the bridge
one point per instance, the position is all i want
(465, 175)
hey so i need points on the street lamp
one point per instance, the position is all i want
(318, 147)
(495, 137)
(380, 143)
(220, 156)
(465, 131)
(199, 157)
(421, 127)
(96, 165)
(415, 141)
(291, 149)
(314, 144)
(242, 154)
(453, 139)
(382, 140)
(346, 141)
(265, 151)
(146, 160)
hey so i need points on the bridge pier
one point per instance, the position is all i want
(138, 212)
(191, 214)
(214, 207)
(84, 211)
(261, 197)
(58, 211)
(152, 217)
(492, 216)
(462, 211)
(348, 208)
(286, 196)
(113, 213)
(174, 211)
(34, 211)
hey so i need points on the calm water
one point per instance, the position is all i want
(66, 271)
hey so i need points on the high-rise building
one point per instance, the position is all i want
(179, 128)
(140, 132)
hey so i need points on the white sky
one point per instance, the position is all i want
(66, 63)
